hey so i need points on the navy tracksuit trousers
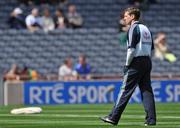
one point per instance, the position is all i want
(138, 75)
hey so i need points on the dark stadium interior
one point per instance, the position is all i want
(98, 38)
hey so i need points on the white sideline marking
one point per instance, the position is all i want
(100, 111)
(82, 116)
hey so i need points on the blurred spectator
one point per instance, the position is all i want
(47, 21)
(32, 21)
(74, 18)
(83, 69)
(161, 50)
(28, 74)
(66, 72)
(13, 73)
(60, 20)
(33, 75)
(123, 32)
(24, 74)
(26, 2)
(16, 19)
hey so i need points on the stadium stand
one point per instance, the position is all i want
(98, 38)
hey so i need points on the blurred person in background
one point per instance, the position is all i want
(26, 2)
(66, 71)
(16, 19)
(74, 18)
(28, 74)
(32, 21)
(83, 69)
(34, 75)
(13, 73)
(60, 20)
(24, 74)
(161, 50)
(47, 21)
(123, 29)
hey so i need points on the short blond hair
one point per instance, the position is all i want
(133, 11)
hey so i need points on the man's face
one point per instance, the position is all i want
(58, 13)
(72, 9)
(35, 12)
(82, 60)
(46, 13)
(128, 18)
(69, 63)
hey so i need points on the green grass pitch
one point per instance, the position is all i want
(87, 116)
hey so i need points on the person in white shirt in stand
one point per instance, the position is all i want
(47, 21)
(74, 18)
(32, 22)
(66, 72)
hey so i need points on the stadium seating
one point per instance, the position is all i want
(98, 39)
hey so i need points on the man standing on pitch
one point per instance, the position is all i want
(136, 70)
